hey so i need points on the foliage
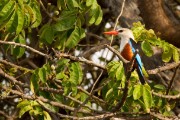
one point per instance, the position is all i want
(150, 39)
(62, 81)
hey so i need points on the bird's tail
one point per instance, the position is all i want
(141, 76)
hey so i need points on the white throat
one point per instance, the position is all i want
(124, 41)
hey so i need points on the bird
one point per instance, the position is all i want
(127, 49)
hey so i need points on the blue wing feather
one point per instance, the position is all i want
(138, 58)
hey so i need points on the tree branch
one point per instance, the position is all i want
(27, 47)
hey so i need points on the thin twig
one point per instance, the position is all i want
(45, 10)
(15, 66)
(12, 79)
(54, 103)
(5, 115)
(80, 59)
(161, 117)
(117, 19)
(27, 47)
(172, 80)
(117, 53)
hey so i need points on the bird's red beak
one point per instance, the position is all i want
(113, 32)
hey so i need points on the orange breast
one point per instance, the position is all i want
(127, 52)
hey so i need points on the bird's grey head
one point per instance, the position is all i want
(125, 33)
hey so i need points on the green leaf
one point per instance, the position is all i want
(27, 18)
(47, 34)
(167, 53)
(75, 73)
(12, 23)
(109, 94)
(95, 12)
(146, 47)
(20, 14)
(24, 110)
(35, 112)
(67, 87)
(61, 4)
(66, 21)
(61, 40)
(7, 10)
(75, 37)
(120, 71)
(23, 104)
(115, 70)
(74, 90)
(100, 15)
(31, 12)
(90, 2)
(137, 93)
(62, 63)
(42, 74)
(46, 115)
(19, 51)
(34, 83)
(160, 87)
(20, 2)
(147, 98)
(60, 75)
(36, 10)
(175, 55)
(72, 4)
(34, 103)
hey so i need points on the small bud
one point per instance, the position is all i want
(56, 12)
(52, 67)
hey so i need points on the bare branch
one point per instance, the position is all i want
(5, 115)
(163, 68)
(15, 66)
(27, 47)
(166, 96)
(117, 53)
(54, 103)
(79, 59)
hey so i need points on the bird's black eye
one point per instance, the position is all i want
(120, 31)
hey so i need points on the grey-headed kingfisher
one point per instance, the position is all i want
(127, 50)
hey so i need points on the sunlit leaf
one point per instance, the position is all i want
(66, 21)
(147, 98)
(42, 74)
(137, 93)
(47, 34)
(75, 37)
(46, 116)
(36, 10)
(115, 70)
(24, 110)
(19, 51)
(146, 47)
(23, 104)
(175, 55)
(167, 53)
(160, 87)
(7, 10)
(20, 14)
(34, 83)
(76, 73)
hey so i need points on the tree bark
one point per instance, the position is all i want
(158, 17)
